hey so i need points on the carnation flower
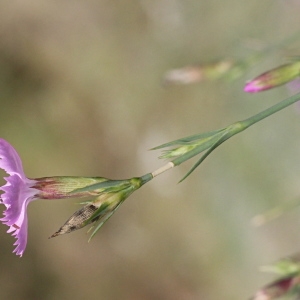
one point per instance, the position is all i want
(19, 191)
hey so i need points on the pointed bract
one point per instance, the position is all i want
(102, 208)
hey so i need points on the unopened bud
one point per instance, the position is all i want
(273, 78)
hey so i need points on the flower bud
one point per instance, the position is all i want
(273, 78)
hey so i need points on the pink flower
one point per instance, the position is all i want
(18, 193)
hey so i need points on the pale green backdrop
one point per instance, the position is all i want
(81, 93)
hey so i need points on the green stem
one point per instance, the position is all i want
(145, 178)
(270, 111)
(236, 128)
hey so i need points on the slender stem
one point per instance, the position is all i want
(150, 176)
(271, 110)
(231, 130)
(147, 177)
(163, 169)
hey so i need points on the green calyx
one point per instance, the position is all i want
(110, 195)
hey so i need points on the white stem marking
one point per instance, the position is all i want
(164, 168)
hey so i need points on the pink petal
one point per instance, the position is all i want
(18, 193)
(21, 236)
(10, 161)
(255, 86)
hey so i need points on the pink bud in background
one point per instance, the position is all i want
(273, 78)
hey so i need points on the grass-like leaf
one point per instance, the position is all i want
(222, 139)
(188, 139)
(102, 221)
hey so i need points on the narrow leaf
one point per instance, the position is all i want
(222, 139)
(188, 139)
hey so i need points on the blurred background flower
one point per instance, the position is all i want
(81, 95)
(286, 286)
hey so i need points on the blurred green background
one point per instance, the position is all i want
(81, 94)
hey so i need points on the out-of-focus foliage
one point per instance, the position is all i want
(81, 94)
